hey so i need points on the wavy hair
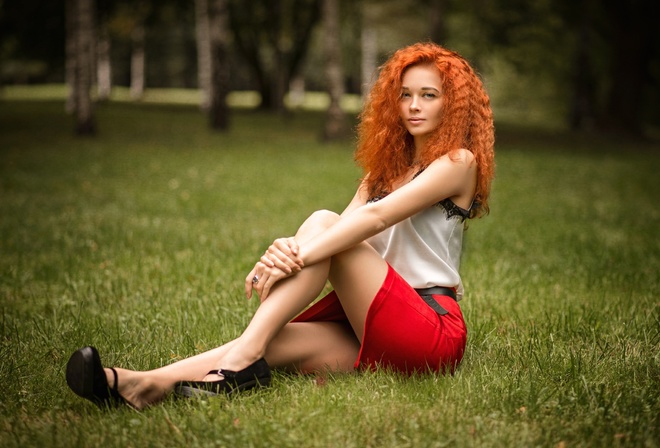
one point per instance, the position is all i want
(385, 149)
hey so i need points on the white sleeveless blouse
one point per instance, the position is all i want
(425, 249)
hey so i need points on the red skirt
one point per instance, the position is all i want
(401, 332)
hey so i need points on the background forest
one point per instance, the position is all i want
(582, 64)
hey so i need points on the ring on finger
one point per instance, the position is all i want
(255, 279)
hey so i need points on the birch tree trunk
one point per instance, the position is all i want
(281, 55)
(219, 34)
(137, 62)
(369, 47)
(104, 66)
(82, 16)
(70, 54)
(203, 52)
(335, 122)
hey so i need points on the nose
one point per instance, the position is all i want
(414, 103)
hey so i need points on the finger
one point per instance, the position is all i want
(259, 286)
(267, 261)
(248, 283)
(267, 285)
(293, 245)
(264, 293)
(284, 255)
(282, 245)
(294, 250)
(273, 262)
(253, 279)
(280, 261)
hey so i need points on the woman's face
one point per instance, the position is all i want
(420, 104)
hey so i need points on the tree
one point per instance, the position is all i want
(31, 41)
(140, 13)
(369, 47)
(272, 37)
(126, 21)
(632, 46)
(610, 48)
(203, 41)
(80, 48)
(336, 126)
(71, 47)
(438, 23)
(103, 63)
(219, 38)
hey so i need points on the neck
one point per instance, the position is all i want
(419, 142)
(418, 150)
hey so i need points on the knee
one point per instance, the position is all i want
(324, 218)
(321, 220)
(317, 222)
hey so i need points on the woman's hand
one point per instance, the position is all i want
(262, 278)
(280, 261)
(283, 254)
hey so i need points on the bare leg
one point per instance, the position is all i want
(364, 269)
(299, 347)
(308, 346)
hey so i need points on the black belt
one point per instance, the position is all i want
(427, 295)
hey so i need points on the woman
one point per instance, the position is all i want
(392, 256)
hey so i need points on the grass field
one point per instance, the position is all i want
(138, 241)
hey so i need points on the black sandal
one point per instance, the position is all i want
(86, 378)
(255, 375)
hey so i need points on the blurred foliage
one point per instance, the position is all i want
(528, 51)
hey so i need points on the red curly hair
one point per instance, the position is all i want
(386, 150)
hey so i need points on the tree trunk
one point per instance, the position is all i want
(297, 92)
(335, 121)
(70, 51)
(280, 81)
(203, 52)
(273, 37)
(83, 18)
(219, 32)
(280, 77)
(369, 44)
(582, 108)
(137, 62)
(438, 31)
(104, 66)
(632, 27)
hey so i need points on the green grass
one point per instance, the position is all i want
(138, 242)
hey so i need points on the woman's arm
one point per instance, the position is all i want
(360, 198)
(447, 177)
(283, 252)
(282, 259)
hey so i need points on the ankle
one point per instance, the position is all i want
(239, 359)
(139, 388)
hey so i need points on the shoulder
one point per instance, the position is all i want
(458, 160)
(461, 156)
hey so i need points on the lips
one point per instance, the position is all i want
(415, 120)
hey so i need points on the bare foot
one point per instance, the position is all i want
(138, 389)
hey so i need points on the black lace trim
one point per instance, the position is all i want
(377, 197)
(451, 209)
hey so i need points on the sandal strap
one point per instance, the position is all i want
(115, 386)
(222, 372)
(114, 392)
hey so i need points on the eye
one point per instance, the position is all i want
(429, 95)
(405, 95)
